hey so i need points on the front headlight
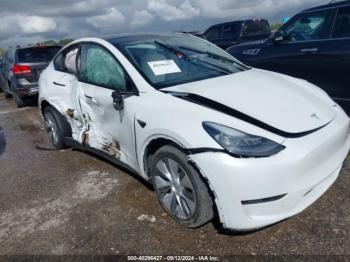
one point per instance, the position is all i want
(241, 144)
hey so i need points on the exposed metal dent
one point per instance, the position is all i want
(112, 148)
(73, 143)
(70, 113)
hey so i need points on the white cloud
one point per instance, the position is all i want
(113, 18)
(36, 24)
(13, 26)
(141, 18)
(170, 12)
(43, 19)
(238, 9)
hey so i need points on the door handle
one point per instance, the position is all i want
(309, 50)
(93, 100)
(58, 84)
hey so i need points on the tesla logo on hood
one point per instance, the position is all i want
(315, 116)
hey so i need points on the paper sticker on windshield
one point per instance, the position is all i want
(164, 67)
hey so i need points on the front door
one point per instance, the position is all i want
(336, 60)
(298, 55)
(108, 130)
(230, 35)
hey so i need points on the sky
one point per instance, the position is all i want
(31, 21)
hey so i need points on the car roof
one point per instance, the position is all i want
(332, 4)
(242, 21)
(38, 46)
(130, 38)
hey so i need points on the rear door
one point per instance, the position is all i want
(298, 54)
(64, 83)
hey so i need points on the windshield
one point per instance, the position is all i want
(166, 61)
(37, 54)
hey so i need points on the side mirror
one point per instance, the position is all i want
(118, 100)
(279, 37)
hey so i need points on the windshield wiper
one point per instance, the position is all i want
(193, 61)
(211, 54)
(205, 52)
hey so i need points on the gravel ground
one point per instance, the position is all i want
(72, 203)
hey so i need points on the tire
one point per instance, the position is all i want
(7, 94)
(20, 102)
(57, 126)
(180, 189)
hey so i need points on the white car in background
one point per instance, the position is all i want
(214, 136)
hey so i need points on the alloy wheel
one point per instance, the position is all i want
(51, 128)
(175, 189)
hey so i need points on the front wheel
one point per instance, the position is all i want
(180, 188)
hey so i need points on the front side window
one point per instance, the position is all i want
(173, 60)
(230, 30)
(99, 67)
(66, 60)
(342, 23)
(308, 26)
(214, 32)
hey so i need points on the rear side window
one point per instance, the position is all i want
(66, 60)
(342, 23)
(230, 30)
(36, 54)
(256, 27)
(213, 32)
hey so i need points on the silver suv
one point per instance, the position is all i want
(21, 70)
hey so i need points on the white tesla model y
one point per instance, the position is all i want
(214, 136)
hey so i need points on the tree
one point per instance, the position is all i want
(65, 41)
(276, 26)
(50, 42)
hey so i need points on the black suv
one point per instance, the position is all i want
(21, 70)
(232, 33)
(313, 45)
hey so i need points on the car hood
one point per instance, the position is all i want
(284, 103)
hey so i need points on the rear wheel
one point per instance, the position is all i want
(180, 188)
(58, 129)
(7, 94)
(20, 102)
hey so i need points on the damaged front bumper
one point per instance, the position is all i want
(254, 193)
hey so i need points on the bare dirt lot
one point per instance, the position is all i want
(69, 202)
